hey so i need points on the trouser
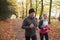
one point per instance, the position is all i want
(44, 35)
(33, 37)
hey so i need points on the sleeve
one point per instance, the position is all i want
(25, 24)
(40, 24)
(36, 22)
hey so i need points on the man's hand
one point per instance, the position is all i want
(38, 29)
(31, 25)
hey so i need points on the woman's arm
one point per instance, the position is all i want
(40, 24)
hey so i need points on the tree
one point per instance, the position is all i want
(22, 10)
(5, 9)
(26, 7)
(36, 8)
(41, 9)
(30, 3)
(14, 7)
(59, 17)
(50, 10)
(5, 12)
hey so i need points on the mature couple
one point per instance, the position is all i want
(30, 25)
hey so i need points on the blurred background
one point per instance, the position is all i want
(20, 8)
(13, 12)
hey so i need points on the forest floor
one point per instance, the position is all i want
(11, 30)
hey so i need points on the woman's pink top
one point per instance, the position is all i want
(45, 30)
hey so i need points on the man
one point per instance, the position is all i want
(30, 25)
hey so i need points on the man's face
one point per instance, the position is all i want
(32, 14)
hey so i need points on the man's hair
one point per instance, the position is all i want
(31, 10)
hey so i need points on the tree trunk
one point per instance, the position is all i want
(22, 10)
(36, 8)
(26, 8)
(50, 10)
(59, 17)
(30, 3)
(41, 9)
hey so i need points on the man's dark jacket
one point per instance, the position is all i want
(26, 23)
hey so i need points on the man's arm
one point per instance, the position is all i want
(25, 24)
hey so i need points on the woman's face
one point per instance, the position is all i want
(45, 16)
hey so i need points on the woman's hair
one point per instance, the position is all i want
(44, 14)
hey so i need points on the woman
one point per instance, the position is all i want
(44, 28)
